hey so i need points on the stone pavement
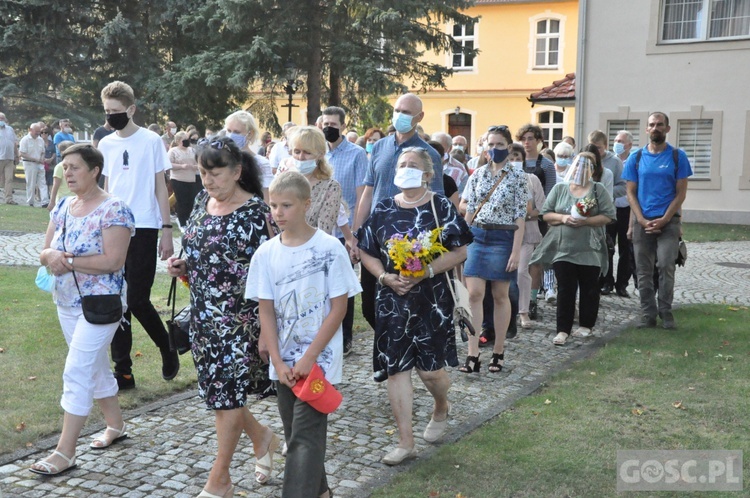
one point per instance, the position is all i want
(172, 443)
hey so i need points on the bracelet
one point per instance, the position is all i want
(166, 226)
(381, 278)
(432, 273)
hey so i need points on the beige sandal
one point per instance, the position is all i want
(101, 442)
(50, 469)
(264, 464)
(560, 339)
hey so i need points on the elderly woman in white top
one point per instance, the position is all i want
(85, 247)
(495, 203)
(241, 128)
(183, 176)
(563, 159)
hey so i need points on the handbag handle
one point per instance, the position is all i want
(447, 278)
(172, 295)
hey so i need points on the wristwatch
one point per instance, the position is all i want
(70, 261)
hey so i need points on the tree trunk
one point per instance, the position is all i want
(315, 67)
(334, 81)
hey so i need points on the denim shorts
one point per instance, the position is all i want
(487, 256)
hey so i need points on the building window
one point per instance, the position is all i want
(616, 125)
(694, 136)
(463, 38)
(551, 123)
(547, 44)
(702, 20)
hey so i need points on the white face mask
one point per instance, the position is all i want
(408, 178)
(306, 167)
(68, 130)
(173, 130)
(458, 147)
(518, 165)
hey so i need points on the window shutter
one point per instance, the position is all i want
(694, 137)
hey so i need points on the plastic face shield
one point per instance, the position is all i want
(579, 173)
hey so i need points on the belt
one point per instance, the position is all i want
(495, 226)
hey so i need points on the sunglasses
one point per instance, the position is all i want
(500, 128)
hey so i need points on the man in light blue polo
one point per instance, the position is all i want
(407, 113)
(656, 187)
(349, 163)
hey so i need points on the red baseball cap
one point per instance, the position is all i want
(318, 392)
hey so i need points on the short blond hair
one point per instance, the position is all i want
(312, 139)
(247, 120)
(119, 91)
(291, 181)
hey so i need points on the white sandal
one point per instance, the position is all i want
(101, 442)
(50, 469)
(582, 332)
(560, 339)
(264, 464)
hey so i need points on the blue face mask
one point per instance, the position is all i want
(237, 138)
(618, 148)
(306, 167)
(45, 280)
(402, 122)
(564, 161)
(368, 148)
(499, 155)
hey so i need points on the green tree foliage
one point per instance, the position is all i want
(196, 60)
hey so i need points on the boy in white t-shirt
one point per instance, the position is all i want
(134, 166)
(302, 280)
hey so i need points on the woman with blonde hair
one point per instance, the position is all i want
(308, 147)
(241, 128)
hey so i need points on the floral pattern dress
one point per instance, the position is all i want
(224, 326)
(414, 330)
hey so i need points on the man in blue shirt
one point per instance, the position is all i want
(349, 163)
(65, 133)
(407, 113)
(656, 188)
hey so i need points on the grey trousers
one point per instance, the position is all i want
(658, 250)
(305, 431)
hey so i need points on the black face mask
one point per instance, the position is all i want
(118, 121)
(193, 141)
(332, 134)
(186, 143)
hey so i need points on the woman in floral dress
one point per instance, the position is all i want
(229, 222)
(414, 314)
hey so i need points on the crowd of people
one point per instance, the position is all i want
(272, 232)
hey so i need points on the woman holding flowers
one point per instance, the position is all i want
(495, 202)
(576, 211)
(410, 242)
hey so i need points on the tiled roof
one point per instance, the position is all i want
(560, 90)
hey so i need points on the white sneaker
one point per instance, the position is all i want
(551, 296)
(582, 332)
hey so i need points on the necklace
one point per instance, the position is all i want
(404, 201)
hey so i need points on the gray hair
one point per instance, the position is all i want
(445, 140)
(424, 158)
(627, 134)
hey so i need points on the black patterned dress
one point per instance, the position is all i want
(225, 327)
(414, 330)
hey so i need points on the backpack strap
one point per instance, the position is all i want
(638, 158)
(676, 159)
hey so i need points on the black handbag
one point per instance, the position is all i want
(178, 327)
(101, 309)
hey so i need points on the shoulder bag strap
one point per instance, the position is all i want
(447, 277)
(172, 296)
(487, 197)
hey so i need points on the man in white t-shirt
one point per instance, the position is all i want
(135, 162)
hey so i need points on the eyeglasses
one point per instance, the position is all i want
(500, 128)
(44, 133)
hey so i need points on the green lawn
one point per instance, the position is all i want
(647, 389)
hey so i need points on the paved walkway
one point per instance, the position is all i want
(172, 443)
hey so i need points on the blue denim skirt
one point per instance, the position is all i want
(487, 256)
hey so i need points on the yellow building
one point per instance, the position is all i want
(523, 47)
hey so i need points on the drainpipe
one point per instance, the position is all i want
(581, 70)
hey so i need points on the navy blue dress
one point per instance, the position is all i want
(414, 330)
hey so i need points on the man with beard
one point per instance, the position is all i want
(657, 182)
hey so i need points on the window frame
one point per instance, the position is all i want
(563, 125)
(547, 16)
(704, 26)
(462, 39)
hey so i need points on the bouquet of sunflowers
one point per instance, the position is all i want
(412, 252)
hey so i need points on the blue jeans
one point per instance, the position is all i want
(660, 251)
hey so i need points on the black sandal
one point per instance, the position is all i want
(496, 363)
(472, 365)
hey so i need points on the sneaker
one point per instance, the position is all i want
(667, 320)
(647, 323)
(347, 347)
(125, 381)
(533, 310)
(170, 364)
(550, 296)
